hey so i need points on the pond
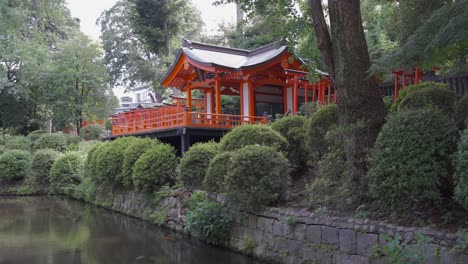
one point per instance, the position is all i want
(38, 230)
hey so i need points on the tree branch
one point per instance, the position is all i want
(323, 36)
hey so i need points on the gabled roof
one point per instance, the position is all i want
(211, 58)
(232, 58)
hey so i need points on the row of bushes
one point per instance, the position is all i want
(39, 140)
(411, 161)
(144, 164)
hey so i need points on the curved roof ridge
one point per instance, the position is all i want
(210, 47)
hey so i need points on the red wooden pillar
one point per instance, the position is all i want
(189, 98)
(306, 91)
(403, 80)
(329, 92)
(241, 95)
(295, 97)
(218, 94)
(285, 99)
(395, 89)
(314, 89)
(251, 98)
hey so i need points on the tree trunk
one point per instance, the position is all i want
(358, 98)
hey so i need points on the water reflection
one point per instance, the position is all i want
(43, 230)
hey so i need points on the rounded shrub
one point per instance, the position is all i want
(245, 135)
(257, 175)
(411, 156)
(134, 150)
(72, 140)
(193, 165)
(110, 160)
(36, 134)
(461, 171)
(412, 88)
(156, 167)
(41, 163)
(461, 111)
(18, 142)
(65, 172)
(437, 97)
(51, 141)
(14, 165)
(292, 128)
(316, 127)
(91, 159)
(92, 132)
(217, 171)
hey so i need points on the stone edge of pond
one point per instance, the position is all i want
(285, 235)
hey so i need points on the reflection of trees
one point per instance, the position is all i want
(43, 230)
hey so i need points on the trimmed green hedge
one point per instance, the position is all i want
(193, 165)
(316, 127)
(461, 171)
(440, 98)
(257, 175)
(412, 88)
(245, 135)
(41, 163)
(33, 136)
(18, 142)
(110, 160)
(90, 167)
(92, 132)
(14, 165)
(217, 171)
(410, 156)
(155, 168)
(51, 141)
(66, 171)
(293, 129)
(134, 150)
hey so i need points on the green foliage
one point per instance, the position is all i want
(412, 88)
(461, 112)
(18, 142)
(66, 171)
(85, 191)
(217, 171)
(208, 219)
(90, 168)
(388, 102)
(411, 156)
(156, 167)
(317, 127)
(41, 163)
(72, 140)
(440, 98)
(51, 141)
(110, 160)
(134, 150)
(399, 251)
(33, 136)
(257, 175)
(92, 132)
(308, 108)
(461, 170)
(248, 245)
(325, 192)
(245, 135)
(158, 217)
(194, 164)
(292, 128)
(14, 165)
(84, 147)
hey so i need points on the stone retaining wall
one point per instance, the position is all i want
(285, 235)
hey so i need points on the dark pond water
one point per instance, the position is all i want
(55, 231)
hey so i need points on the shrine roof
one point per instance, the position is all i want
(232, 58)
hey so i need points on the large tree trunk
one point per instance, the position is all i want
(358, 99)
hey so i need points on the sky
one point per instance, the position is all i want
(88, 11)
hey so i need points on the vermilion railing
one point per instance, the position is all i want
(151, 120)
